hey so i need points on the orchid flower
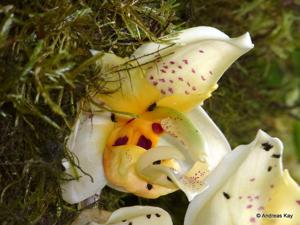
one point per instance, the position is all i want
(157, 139)
(249, 187)
(134, 215)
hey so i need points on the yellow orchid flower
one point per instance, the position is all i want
(142, 215)
(249, 187)
(158, 139)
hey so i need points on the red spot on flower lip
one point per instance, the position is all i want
(121, 141)
(298, 202)
(129, 121)
(144, 142)
(157, 128)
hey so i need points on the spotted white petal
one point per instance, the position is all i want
(192, 64)
(86, 143)
(142, 215)
(135, 215)
(249, 181)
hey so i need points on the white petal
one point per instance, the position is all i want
(142, 215)
(188, 177)
(216, 145)
(87, 143)
(183, 37)
(194, 63)
(242, 186)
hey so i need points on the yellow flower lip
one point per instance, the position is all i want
(144, 135)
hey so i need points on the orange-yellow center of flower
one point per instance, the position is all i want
(139, 132)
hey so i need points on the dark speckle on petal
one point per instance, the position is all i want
(149, 186)
(269, 168)
(266, 146)
(226, 195)
(276, 156)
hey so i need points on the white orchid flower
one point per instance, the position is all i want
(249, 187)
(134, 215)
(158, 139)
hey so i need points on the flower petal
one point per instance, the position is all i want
(247, 182)
(216, 145)
(127, 89)
(192, 64)
(142, 215)
(145, 53)
(87, 143)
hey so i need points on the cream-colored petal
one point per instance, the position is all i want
(196, 68)
(188, 36)
(142, 215)
(86, 143)
(249, 181)
(190, 65)
(216, 145)
(135, 215)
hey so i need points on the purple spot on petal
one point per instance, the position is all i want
(157, 128)
(121, 141)
(144, 142)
